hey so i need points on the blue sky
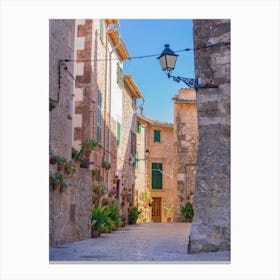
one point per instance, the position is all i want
(148, 36)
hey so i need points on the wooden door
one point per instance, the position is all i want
(156, 209)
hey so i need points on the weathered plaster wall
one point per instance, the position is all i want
(211, 226)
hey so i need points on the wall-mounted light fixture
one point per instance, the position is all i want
(167, 61)
(147, 153)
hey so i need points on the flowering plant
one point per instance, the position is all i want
(169, 208)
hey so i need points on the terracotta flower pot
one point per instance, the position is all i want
(53, 161)
(60, 167)
(95, 233)
(57, 187)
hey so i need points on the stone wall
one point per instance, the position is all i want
(70, 211)
(61, 46)
(185, 146)
(210, 230)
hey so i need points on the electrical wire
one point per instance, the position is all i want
(150, 55)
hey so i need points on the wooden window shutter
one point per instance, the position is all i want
(156, 135)
(139, 127)
(156, 175)
(136, 160)
(118, 133)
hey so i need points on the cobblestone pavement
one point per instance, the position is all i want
(141, 242)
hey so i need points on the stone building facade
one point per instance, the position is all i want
(185, 147)
(69, 212)
(125, 174)
(94, 93)
(210, 230)
(156, 170)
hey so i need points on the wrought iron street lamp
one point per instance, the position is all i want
(167, 61)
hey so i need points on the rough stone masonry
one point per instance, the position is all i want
(211, 225)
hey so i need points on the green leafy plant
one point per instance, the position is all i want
(70, 167)
(187, 210)
(97, 219)
(52, 104)
(106, 165)
(56, 179)
(76, 155)
(88, 145)
(114, 214)
(109, 224)
(133, 215)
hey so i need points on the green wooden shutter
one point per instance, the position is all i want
(156, 175)
(99, 116)
(120, 76)
(139, 127)
(156, 135)
(118, 133)
(136, 160)
(101, 28)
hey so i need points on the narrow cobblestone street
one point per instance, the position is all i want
(140, 242)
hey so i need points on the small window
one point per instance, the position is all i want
(118, 133)
(156, 175)
(156, 135)
(139, 127)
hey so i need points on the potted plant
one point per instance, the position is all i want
(133, 215)
(56, 180)
(64, 185)
(106, 165)
(53, 159)
(97, 221)
(61, 163)
(187, 212)
(76, 156)
(52, 104)
(114, 214)
(88, 145)
(70, 167)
